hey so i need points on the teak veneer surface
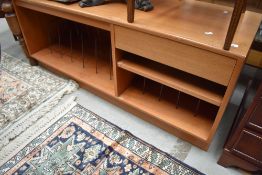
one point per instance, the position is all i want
(184, 21)
(181, 23)
(180, 118)
(199, 62)
(173, 80)
(100, 80)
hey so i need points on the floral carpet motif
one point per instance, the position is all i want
(23, 88)
(82, 143)
(26, 94)
(10, 87)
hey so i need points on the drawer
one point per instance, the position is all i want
(255, 121)
(199, 62)
(249, 147)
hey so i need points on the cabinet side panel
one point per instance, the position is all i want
(34, 26)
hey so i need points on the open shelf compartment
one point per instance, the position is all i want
(78, 51)
(203, 89)
(176, 30)
(181, 114)
(176, 98)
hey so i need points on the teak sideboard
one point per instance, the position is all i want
(168, 67)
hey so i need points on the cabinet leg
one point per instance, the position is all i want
(228, 159)
(32, 61)
(239, 4)
(130, 10)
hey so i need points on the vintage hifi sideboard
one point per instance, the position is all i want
(168, 67)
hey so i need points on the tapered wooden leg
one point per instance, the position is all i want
(233, 23)
(130, 10)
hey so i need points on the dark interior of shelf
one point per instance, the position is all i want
(79, 51)
(198, 81)
(192, 82)
(183, 115)
(257, 43)
(96, 42)
(168, 94)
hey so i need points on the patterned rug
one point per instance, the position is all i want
(73, 140)
(26, 94)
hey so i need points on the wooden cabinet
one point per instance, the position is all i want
(255, 121)
(163, 67)
(190, 59)
(244, 146)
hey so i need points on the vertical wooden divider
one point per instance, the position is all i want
(230, 88)
(41, 23)
(122, 78)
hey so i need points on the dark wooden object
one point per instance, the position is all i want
(243, 148)
(130, 10)
(239, 7)
(10, 16)
(2, 14)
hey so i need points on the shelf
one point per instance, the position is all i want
(174, 79)
(181, 27)
(75, 70)
(183, 21)
(182, 118)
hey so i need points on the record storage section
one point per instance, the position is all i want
(175, 85)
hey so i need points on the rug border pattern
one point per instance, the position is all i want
(93, 120)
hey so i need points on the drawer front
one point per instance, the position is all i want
(249, 147)
(187, 58)
(255, 121)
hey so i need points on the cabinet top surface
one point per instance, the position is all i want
(200, 24)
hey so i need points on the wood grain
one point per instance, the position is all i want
(173, 34)
(183, 21)
(254, 58)
(181, 118)
(190, 59)
(173, 80)
(227, 96)
(130, 10)
(238, 9)
(74, 70)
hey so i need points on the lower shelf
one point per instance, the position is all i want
(72, 66)
(189, 84)
(182, 118)
(165, 110)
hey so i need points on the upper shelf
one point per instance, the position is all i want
(187, 21)
(176, 80)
